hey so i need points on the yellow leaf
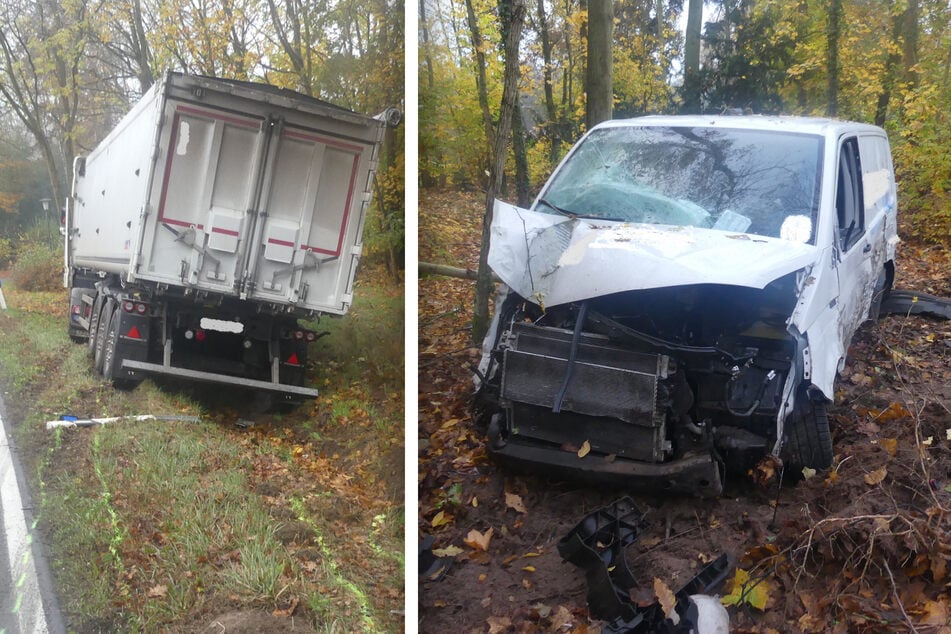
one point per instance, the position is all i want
(441, 519)
(874, 477)
(585, 449)
(755, 593)
(448, 551)
(665, 596)
(935, 613)
(514, 501)
(528, 568)
(561, 618)
(477, 540)
(890, 445)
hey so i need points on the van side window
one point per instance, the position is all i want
(878, 184)
(849, 205)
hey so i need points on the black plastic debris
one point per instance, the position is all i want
(596, 545)
(431, 567)
(904, 302)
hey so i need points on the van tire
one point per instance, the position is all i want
(808, 440)
(883, 286)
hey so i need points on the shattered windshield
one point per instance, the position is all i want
(748, 181)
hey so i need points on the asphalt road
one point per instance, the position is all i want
(27, 601)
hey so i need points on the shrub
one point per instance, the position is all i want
(922, 166)
(6, 253)
(38, 267)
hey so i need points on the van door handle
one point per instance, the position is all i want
(868, 247)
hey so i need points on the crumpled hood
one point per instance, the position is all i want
(553, 260)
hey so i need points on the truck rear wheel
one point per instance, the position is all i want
(808, 440)
(105, 317)
(94, 318)
(110, 369)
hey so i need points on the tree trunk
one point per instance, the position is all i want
(691, 94)
(427, 268)
(426, 177)
(552, 124)
(511, 14)
(910, 28)
(481, 86)
(888, 82)
(427, 57)
(522, 186)
(598, 74)
(832, 65)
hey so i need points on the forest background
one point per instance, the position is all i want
(70, 69)
(505, 88)
(878, 61)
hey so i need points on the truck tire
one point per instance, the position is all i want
(808, 440)
(105, 317)
(110, 360)
(94, 319)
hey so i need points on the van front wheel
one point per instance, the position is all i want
(808, 440)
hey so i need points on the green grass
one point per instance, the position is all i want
(154, 525)
(370, 337)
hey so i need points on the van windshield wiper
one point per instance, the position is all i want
(561, 210)
(573, 215)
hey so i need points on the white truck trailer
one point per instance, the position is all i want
(214, 216)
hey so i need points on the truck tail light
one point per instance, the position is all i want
(130, 306)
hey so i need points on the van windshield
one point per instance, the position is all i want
(746, 181)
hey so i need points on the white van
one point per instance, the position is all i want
(681, 295)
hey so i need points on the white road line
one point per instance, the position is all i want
(28, 603)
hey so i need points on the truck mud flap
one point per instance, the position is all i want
(597, 546)
(212, 377)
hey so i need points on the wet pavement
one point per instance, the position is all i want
(27, 601)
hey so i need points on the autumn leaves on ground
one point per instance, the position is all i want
(241, 521)
(862, 547)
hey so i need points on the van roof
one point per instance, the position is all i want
(809, 125)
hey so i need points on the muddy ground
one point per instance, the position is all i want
(861, 547)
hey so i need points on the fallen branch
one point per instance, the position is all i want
(427, 268)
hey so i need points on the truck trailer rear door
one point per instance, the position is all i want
(203, 224)
(314, 202)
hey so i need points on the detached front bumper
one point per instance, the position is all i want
(695, 474)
